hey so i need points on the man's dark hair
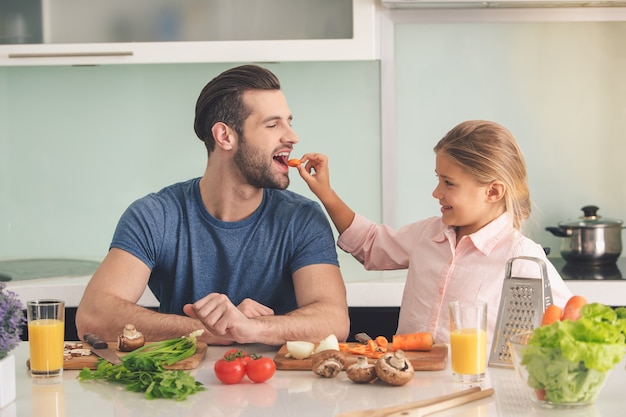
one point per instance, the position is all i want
(221, 100)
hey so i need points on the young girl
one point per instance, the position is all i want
(483, 192)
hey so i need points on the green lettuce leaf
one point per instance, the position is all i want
(570, 359)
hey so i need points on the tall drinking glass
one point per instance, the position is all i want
(468, 341)
(46, 325)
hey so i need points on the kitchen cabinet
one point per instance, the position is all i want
(74, 32)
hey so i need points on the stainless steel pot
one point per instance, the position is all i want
(591, 239)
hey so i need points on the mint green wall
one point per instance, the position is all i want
(559, 87)
(78, 144)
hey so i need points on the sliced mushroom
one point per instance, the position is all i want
(80, 352)
(362, 371)
(328, 363)
(130, 339)
(394, 368)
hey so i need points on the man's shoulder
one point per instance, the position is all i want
(179, 188)
(177, 191)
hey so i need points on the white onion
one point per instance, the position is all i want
(300, 349)
(330, 343)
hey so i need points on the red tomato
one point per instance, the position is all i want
(242, 355)
(246, 360)
(235, 353)
(229, 371)
(260, 369)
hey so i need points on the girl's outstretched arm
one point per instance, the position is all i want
(314, 171)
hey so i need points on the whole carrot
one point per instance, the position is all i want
(571, 311)
(551, 314)
(412, 341)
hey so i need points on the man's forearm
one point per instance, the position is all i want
(109, 315)
(312, 323)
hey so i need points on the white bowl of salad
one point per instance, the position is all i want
(565, 364)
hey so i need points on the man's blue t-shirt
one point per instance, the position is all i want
(192, 254)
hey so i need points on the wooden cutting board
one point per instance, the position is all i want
(80, 362)
(433, 360)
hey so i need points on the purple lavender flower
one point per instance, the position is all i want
(11, 320)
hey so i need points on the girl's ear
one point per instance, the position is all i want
(495, 191)
(224, 136)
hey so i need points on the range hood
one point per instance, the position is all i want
(512, 4)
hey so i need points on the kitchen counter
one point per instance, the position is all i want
(288, 393)
(605, 284)
(364, 288)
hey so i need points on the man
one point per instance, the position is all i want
(232, 252)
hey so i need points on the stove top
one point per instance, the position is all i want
(571, 271)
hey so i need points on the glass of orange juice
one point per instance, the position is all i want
(46, 325)
(468, 341)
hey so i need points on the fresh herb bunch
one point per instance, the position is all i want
(142, 370)
(11, 321)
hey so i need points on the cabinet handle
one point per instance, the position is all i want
(70, 54)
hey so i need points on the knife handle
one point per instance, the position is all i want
(95, 341)
(362, 337)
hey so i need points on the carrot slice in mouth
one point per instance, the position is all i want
(294, 162)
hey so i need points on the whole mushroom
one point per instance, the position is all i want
(130, 339)
(328, 363)
(362, 371)
(394, 368)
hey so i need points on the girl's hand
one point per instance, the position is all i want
(314, 171)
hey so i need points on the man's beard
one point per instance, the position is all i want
(255, 168)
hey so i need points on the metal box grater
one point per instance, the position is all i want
(522, 304)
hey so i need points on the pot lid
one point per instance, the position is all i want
(591, 219)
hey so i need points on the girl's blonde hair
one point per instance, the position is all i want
(489, 152)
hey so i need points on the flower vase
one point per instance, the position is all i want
(7, 380)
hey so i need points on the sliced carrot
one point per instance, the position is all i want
(359, 350)
(382, 342)
(551, 314)
(571, 311)
(362, 350)
(412, 341)
(344, 347)
(294, 162)
(372, 346)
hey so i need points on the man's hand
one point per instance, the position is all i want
(225, 320)
(251, 309)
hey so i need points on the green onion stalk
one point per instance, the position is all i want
(142, 370)
(167, 351)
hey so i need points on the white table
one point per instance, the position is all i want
(288, 394)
